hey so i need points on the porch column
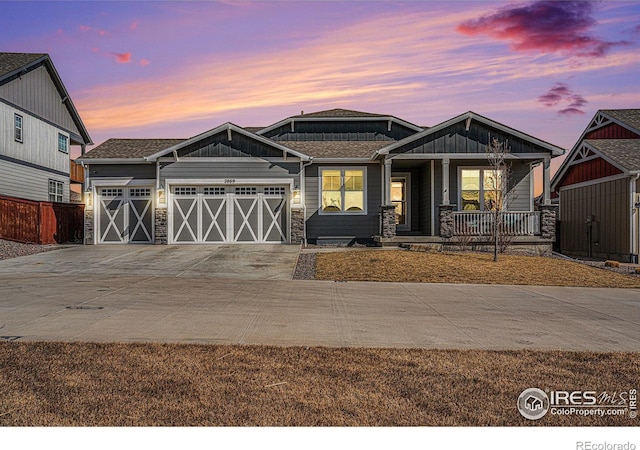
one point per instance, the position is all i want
(387, 182)
(445, 181)
(546, 177)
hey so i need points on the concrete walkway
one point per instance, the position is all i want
(124, 308)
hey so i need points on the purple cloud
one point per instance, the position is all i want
(561, 93)
(543, 26)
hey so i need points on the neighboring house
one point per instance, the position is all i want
(598, 189)
(38, 124)
(336, 175)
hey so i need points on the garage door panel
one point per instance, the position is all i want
(140, 220)
(274, 219)
(112, 223)
(185, 219)
(245, 219)
(214, 219)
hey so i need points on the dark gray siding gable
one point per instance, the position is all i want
(137, 171)
(340, 131)
(455, 139)
(239, 146)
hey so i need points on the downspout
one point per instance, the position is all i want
(303, 195)
(632, 218)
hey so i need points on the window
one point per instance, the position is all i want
(342, 191)
(17, 124)
(480, 189)
(185, 190)
(63, 143)
(55, 190)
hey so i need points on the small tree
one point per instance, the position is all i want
(497, 195)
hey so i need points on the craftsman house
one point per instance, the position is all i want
(329, 176)
(599, 190)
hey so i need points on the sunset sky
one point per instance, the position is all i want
(176, 69)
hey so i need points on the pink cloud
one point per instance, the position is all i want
(122, 58)
(561, 93)
(144, 62)
(85, 28)
(133, 25)
(543, 26)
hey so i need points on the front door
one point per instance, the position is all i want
(400, 192)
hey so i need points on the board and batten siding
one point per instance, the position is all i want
(608, 203)
(237, 170)
(36, 92)
(20, 181)
(363, 227)
(39, 144)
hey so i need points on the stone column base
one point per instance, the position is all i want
(388, 225)
(446, 221)
(88, 226)
(160, 226)
(297, 225)
(548, 217)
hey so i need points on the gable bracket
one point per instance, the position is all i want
(229, 133)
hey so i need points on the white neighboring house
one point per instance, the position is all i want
(38, 124)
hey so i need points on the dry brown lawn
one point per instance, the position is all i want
(474, 268)
(54, 384)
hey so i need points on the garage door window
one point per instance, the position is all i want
(343, 190)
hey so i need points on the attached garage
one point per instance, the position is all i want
(124, 215)
(228, 214)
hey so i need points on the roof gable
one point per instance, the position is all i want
(31, 82)
(227, 140)
(469, 133)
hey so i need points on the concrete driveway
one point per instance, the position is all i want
(262, 262)
(129, 295)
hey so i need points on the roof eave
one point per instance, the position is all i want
(112, 160)
(342, 119)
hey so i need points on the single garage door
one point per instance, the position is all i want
(125, 215)
(228, 214)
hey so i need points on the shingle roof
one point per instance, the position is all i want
(338, 112)
(629, 116)
(10, 62)
(129, 148)
(625, 152)
(337, 149)
(253, 129)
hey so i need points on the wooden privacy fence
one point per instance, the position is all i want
(40, 222)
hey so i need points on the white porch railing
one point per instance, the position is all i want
(481, 223)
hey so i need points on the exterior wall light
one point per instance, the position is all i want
(88, 200)
(161, 197)
(295, 194)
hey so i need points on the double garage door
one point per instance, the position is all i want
(196, 214)
(228, 214)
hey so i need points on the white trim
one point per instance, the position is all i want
(406, 176)
(89, 161)
(470, 156)
(596, 181)
(226, 127)
(364, 190)
(229, 181)
(366, 160)
(531, 188)
(249, 159)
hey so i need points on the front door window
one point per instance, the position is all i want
(399, 198)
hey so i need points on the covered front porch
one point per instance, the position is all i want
(442, 188)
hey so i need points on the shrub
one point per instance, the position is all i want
(615, 264)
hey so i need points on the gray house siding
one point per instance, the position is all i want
(238, 170)
(12, 182)
(362, 227)
(239, 146)
(35, 92)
